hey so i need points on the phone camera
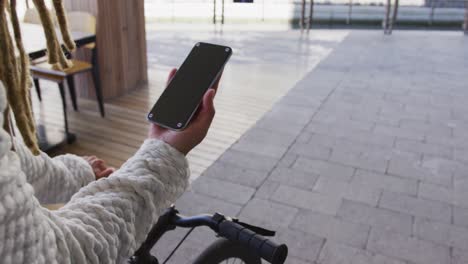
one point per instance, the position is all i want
(198, 45)
(150, 115)
(179, 124)
(228, 49)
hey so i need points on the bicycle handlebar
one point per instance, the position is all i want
(267, 249)
(225, 226)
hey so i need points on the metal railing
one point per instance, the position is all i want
(448, 13)
(304, 14)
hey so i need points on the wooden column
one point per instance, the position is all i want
(121, 39)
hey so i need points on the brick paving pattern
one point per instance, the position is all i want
(364, 161)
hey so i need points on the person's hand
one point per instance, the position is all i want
(187, 139)
(100, 168)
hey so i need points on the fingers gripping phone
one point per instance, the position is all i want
(184, 93)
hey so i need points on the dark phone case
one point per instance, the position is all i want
(151, 115)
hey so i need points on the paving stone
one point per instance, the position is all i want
(345, 145)
(428, 129)
(459, 256)
(304, 137)
(454, 142)
(378, 217)
(399, 246)
(236, 174)
(327, 204)
(369, 179)
(324, 168)
(331, 228)
(436, 192)
(261, 148)
(265, 142)
(338, 121)
(399, 132)
(449, 235)
(461, 154)
(366, 161)
(301, 245)
(359, 136)
(413, 169)
(194, 204)
(378, 119)
(267, 214)
(295, 178)
(398, 113)
(311, 150)
(444, 166)
(293, 260)
(296, 114)
(287, 126)
(460, 216)
(267, 189)
(347, 190)
(248, 160)
(418, 207)
(338, 253)
(302, 98)
(279, 138)
(419, 147)
(224, 190)
(287, 160)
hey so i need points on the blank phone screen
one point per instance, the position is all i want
(184, 93)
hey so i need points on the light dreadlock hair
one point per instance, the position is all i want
(14, 70)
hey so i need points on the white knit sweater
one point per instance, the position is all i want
(103, 222)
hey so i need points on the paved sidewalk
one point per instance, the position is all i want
(365, 160)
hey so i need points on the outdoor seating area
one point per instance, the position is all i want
(345, 142)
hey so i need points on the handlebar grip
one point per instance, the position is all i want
(268, 250)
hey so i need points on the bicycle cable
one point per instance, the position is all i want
(178, 245)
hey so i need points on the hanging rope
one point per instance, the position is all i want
(63, 24)
(14, 69)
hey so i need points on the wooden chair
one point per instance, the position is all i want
(32, 16)
(82, 22)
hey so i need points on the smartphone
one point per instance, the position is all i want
(184, 93)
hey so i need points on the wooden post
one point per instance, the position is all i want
(121, 43)
(395, 15)
(222, 12)
(301, 22)
(387, 16)
(350, 10)
(311, 15)
(431, 15)
(214, 11)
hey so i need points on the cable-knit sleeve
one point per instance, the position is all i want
(116, 213)
(54, 180)
(104, 222)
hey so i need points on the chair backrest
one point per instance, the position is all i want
(31, 16)
(81, 21)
